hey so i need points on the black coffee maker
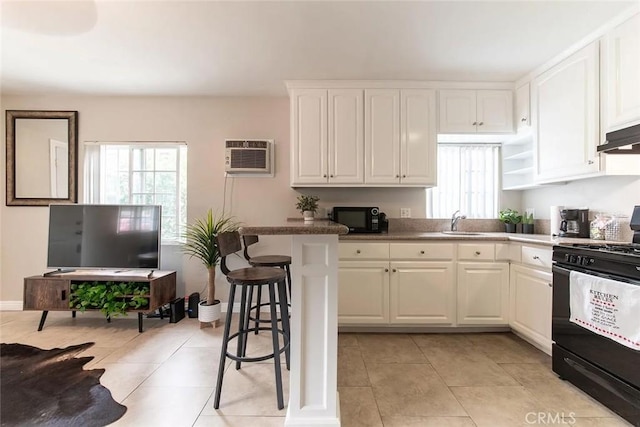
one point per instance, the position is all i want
(575, 223)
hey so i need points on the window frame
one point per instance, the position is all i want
(497, 172)
(98, 180)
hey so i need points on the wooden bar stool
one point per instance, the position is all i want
(280, 261)
(248, 279)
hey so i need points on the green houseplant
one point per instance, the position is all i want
(307, 205)
(111, 298)
(201, 243)
(510, 217)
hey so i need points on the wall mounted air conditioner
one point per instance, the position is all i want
(248, 156)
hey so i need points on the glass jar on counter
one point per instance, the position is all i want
(598, 227)
(612, 231)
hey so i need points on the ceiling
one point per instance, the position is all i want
(228, 48)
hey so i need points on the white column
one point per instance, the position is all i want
(313, 396)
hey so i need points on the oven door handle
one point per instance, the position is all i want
(566, 271)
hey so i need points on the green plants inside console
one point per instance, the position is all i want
(112, 298)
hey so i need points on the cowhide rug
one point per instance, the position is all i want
(50, 388)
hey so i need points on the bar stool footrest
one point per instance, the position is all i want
(235, 358)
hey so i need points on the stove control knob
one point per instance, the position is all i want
(578, 260)
(566, 257)
(572, 259)
(587, 261)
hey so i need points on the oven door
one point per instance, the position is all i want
(618, 360)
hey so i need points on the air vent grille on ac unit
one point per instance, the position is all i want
(248, 156)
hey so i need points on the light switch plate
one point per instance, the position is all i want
(405, 212)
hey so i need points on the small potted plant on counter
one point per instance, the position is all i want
(201, 243)
(527, 223)
(308, 205)
(510, 218)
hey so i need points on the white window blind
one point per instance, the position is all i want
(140, 174)
(468, 180)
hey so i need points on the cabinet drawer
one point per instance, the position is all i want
(476, 251)
(363, 251)
(537, 257)
(422, 251)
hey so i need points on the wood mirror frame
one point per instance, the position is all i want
(14, 198)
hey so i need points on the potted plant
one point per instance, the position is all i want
(527, 223)
(201, 243)
(308, 205)
(510, 217)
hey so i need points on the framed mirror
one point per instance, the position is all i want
(41, 157)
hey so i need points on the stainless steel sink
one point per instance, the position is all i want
(461, 233)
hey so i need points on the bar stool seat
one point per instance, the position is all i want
(270, 260)
(248, 279)
(256, 275)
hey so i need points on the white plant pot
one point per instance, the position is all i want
(209, 313)
(307, 215)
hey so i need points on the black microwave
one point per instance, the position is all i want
(359, 219)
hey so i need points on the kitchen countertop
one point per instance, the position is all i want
(295, 226)
(539, 239)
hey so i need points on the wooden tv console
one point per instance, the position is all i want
(51, 292)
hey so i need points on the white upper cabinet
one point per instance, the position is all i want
(346, 139)
(382, 136)
(327, 136)
(309, 134)
(356, 137)
(621, 75)
(400, 137)
(418, 137)
(457, 111)
(564, 103)
(476, 111)
(523, 118)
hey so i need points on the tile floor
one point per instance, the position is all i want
(166, 376)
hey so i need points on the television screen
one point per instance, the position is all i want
(104, 236)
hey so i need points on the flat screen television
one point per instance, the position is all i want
(104, 236)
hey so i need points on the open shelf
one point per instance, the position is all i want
(518, 160)
(528, 154)
(521, 171)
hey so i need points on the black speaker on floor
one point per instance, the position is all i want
(177, 310)
(194, 300)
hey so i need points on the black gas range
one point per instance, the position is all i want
(585, 352)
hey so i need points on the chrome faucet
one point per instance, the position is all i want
(454, 220)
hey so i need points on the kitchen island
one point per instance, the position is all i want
(313, 390)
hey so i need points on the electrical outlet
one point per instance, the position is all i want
(405, 212)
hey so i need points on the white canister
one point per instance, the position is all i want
(554, 216)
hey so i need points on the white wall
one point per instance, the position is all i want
(204, 123)
(610, 194)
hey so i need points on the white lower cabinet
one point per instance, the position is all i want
(483, 293)
(363, 292)
(422, 293)
(531, 302)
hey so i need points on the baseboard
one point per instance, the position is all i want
(17, 306)
(10, 305)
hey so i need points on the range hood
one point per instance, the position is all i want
(623, 141)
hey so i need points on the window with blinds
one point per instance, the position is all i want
(468, 180)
